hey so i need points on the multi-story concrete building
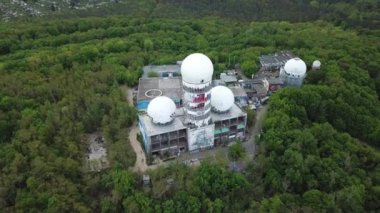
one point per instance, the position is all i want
(207, 117)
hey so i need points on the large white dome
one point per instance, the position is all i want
(197, 68)
(161, 109)
(295, 66)
(222, 98)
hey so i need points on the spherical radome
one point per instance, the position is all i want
(222, 98)
(161, 109)
(316, 64)
(295, 66)
(197, 68)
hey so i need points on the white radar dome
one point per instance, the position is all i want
(295, 66)
(197, 68)
(222, 98)
(161, 109)
(316, 64)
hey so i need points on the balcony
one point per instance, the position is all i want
(156, 147)
(221, 130)
(173, 135)
(241, 126)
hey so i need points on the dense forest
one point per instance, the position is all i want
(60, 80)
(348, 13)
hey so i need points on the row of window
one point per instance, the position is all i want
(199, 117)
(199, 107)
(197, 90)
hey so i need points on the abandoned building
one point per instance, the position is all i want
(206, 116)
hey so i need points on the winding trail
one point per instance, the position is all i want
(250, 145)
(256, 130)
(140, 164)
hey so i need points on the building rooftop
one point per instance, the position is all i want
(154, 129)
(150, 88)
(238, 91)
(162, 70)
(228, 78)
(234, 112)
(260, 89)
(255, 86)
(275, 81)
(218, 82)
(277, 59)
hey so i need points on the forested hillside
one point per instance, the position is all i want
(60, 80)
(353, 13)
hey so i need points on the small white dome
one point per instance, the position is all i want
(197, 68)
(161, 109)
(295, 66)
(316, 64)
(222, 98)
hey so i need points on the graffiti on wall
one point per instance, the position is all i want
(202, 137)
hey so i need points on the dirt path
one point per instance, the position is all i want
(128, 93)
(140, 164)
(250, 146)
(259, 119)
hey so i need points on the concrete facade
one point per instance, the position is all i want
(178, 137)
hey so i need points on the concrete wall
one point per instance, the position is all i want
(145, 137)
(174, 142)
(201, 137)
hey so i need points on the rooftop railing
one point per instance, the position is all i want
(197, 90)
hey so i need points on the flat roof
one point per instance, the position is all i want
(238, 91)
(154, 129)
(275, 81)
(260, 89)
(228, 78)
(150, 88)
(256, 86)
(234, 112)
(161, 69)
(278, 58)
(218, 82)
